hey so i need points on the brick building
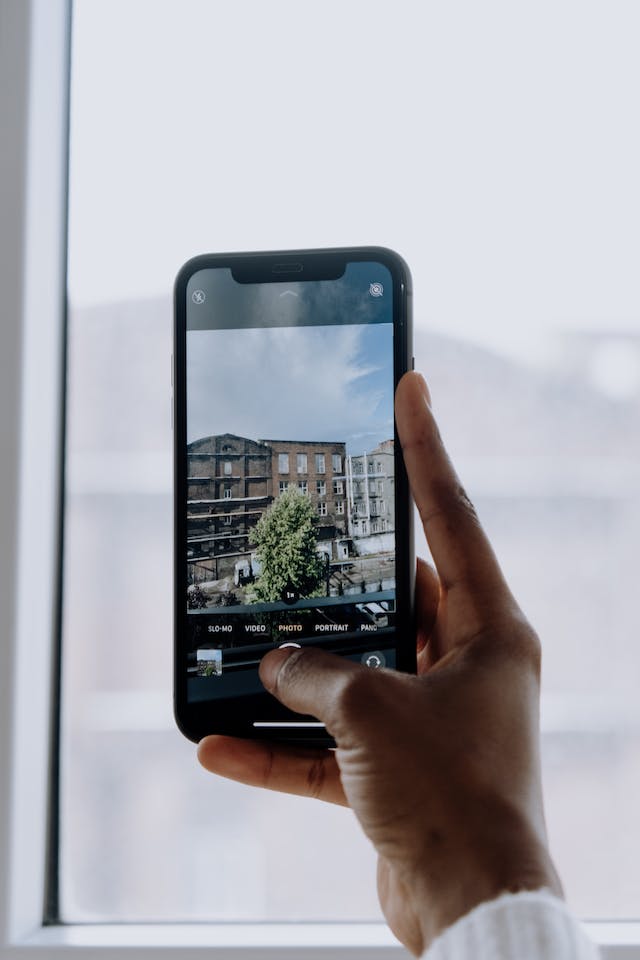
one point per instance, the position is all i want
(317, 469)
(232, 481)
(229, 487)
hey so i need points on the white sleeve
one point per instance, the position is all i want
(532, 925)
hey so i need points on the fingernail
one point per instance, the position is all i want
(271, 665)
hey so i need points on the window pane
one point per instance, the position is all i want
(522, 240)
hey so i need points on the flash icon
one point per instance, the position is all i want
(198, 296)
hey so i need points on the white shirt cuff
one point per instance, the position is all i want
(531, 925)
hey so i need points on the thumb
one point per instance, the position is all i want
(317, 683)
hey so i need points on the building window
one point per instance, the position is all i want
(337, 487)
(303, 486)
(301, 460)
(374, 526)
(357, 466)
(321, 488)
(227, 468)
(282, 485)
(336, 463)
(339, 506)
(364, 528)
(378, 466)
(319, 462)
(227, 493)
(322, 508)
(227, 520)
(380, 485)
(283, 463)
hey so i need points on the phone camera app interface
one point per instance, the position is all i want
(290, 531)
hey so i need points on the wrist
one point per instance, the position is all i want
(508, 860)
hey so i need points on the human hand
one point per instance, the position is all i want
(442, 769)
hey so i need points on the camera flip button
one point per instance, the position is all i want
(374, 660)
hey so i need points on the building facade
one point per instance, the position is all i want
(316, 469)
(370, 488)
(229, 481)
(232, 481)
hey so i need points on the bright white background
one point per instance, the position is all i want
(496, 147)
(495, 144)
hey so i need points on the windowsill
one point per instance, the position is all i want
(613, 937)
(321, 936)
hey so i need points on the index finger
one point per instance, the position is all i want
(459, 546)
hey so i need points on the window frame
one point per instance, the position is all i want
(34, 76)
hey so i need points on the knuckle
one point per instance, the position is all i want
(531, 648)
(451, 504)
(524, 643)
(461, 503)
(513, 640)
(355, 694)
(316, 776)
(267, 770)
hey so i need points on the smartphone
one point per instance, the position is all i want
(292, 514)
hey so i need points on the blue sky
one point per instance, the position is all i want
(293, 383)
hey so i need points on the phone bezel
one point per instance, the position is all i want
(235, 716)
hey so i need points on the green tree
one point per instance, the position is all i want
(286, 546)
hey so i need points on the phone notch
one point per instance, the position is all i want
(287, 268)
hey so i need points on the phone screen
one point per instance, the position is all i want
(290, 533)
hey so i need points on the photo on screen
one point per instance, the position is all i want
(290, 470)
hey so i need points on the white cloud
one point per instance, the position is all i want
(309, 383)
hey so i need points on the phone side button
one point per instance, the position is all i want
(413, 363)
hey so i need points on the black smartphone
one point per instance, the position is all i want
(292, 512)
